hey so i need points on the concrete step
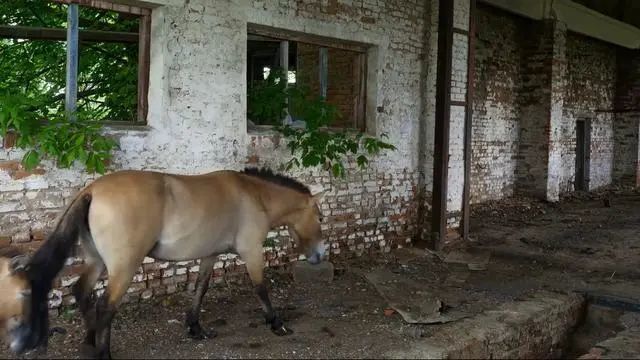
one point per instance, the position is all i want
(536, 327)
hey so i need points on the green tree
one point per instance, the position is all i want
(107, 79)
(32, 84)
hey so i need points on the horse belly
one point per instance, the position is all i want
(191, 246)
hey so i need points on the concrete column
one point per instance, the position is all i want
(558, 61)
(626, 127)
(544, 72)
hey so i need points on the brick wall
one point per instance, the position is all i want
(534, 80)
(341, 86)
(532, 162)
(591, 82)
(627, 119)
(197, 124)
(496, 108)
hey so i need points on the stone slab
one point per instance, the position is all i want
(417, 302)
(304, 272)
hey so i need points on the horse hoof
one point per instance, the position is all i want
(282, 331)
(87, 351)
(198, 333)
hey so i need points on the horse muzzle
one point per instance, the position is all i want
(317, 253)
(19, 338)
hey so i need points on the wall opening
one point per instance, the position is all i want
(332, 69)
(583, 146)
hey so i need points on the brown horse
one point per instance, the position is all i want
(122, 217)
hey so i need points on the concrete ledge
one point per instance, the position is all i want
(537, 327)
(624, 345)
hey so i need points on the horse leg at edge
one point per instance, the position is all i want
(106, 308)
(83, 293)
(255, 267)
(196, 331)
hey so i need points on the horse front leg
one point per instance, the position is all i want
(255, 267)
(196, 331)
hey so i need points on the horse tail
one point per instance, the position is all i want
(49, 259)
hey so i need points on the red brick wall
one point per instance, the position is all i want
(342, 89)
(497, 103)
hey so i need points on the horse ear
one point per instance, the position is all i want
(317, 198)
(19, 263)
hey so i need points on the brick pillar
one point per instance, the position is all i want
(544, 73)
(626, 127)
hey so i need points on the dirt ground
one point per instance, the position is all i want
(585, 243)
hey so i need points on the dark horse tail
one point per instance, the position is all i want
(48, 261)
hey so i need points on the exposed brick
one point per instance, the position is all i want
(20, 174)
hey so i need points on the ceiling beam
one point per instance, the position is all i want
(578, 18)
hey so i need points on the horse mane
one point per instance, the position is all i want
(278, 179)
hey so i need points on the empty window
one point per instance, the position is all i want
(332, 69)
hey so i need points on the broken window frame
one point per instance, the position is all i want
(358, 116)
(72, 36)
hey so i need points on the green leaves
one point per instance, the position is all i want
(267, 100)
(31, 159)
(50, 135)
(315, 144)
(107, 78)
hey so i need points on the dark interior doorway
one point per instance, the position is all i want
(583, 144)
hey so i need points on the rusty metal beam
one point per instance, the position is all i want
(144, 61)
(468, 120)
(108, 5)
(41, 33)
(263, 30)
(443, 117)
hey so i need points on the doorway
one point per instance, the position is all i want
(583, 146)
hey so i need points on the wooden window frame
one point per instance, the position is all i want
(360, 64)
(142, 37)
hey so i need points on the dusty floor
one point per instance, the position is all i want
(582, 244)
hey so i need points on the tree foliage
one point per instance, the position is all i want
(32, 85)
(107, 72)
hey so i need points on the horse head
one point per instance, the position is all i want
(15, 302)
(305, 229)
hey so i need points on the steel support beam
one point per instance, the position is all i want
(324, 71)
(468, 121)
(443, 117)
(71, 89)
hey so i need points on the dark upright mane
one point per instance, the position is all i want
(268, 175)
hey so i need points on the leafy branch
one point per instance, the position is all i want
(49, 134)
(315, 143)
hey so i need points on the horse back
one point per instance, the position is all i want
(174, 217)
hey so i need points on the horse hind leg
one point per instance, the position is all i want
(194, 328)
(83, 293)
(83, 290)
(119, 280)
